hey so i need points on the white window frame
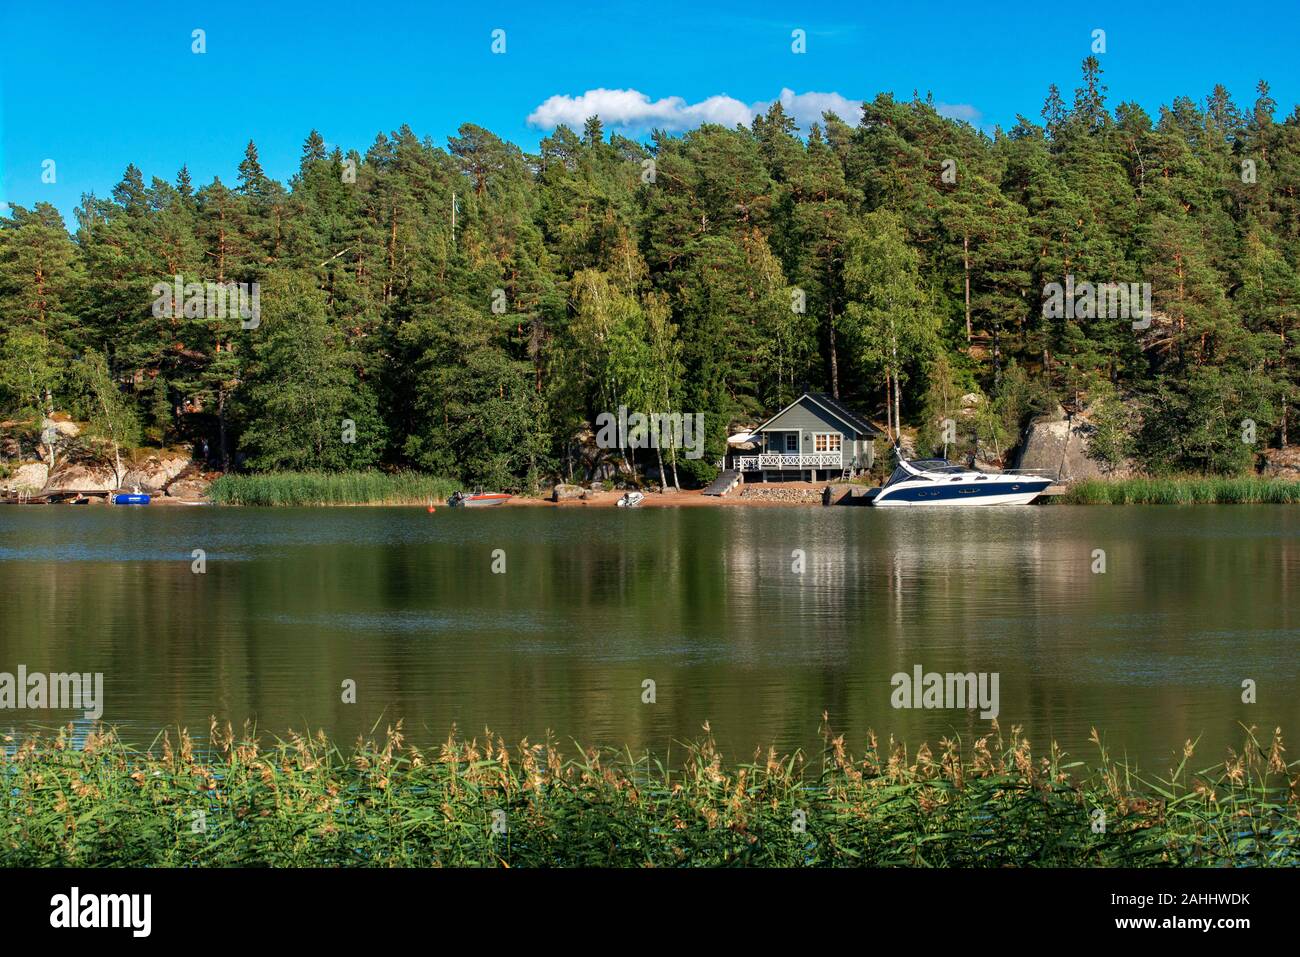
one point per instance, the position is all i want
(837, 436)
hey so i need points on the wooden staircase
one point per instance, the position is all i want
(724, 483)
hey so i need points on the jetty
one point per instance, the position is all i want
(18, 496)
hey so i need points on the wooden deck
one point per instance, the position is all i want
(15, 497)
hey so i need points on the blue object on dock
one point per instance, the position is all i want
(131, 499)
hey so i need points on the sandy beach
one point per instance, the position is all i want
(809, 492)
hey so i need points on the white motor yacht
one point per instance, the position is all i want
(939, 482)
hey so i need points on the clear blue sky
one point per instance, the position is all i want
(97, 85)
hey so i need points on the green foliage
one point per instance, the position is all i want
(30, 372)
(1111, 442)
(306, 802)
(111, 416)
(891, 319)
(476, 412)
(999, 422)
(1196, 424)
(473, 308)
(1184, 490)
(307, 406)
(940, 405)
(331, 488)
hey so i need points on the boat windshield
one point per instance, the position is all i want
(936, 465)
(903, 475)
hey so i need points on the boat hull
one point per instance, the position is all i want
(936, 494)
(479, 501)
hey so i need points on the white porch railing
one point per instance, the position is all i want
(774, 460)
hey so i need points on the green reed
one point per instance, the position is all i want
(303, 801)
(1187, 490)
(331, 488)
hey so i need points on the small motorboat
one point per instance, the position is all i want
(631, 499)
(939, 482)
(477, 499)
(131, 498)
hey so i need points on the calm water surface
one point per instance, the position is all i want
(701, 601)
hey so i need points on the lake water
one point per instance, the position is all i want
(701, 601)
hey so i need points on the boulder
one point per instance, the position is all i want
(782, 494)
(81, 478)
(65, 427)
(155, 473)
(1060, 446)
(969, 405)
(189, 489)
(565, 493)
(1282, 463)
(1053, 445)
(32, 476)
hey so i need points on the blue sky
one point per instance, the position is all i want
(95, 85)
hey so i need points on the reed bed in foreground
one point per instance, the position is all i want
(331, 488)
(302, 801)
(1189, 490)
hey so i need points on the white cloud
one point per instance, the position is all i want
(959, 111)
(807, 108)
(632, 109)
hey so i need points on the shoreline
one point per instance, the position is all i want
(419, 491)
(690, 498)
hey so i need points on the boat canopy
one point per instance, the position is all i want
(923, 470)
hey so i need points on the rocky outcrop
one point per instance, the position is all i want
(81, 477)
(154, 474)
(567, 493)
(775, 493)
(31, 476)
(1059, 444)
(63, 426)
(191, 489)
(1282, 463)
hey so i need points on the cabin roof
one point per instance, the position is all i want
(833, 407)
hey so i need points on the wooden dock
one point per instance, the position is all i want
(11, 496)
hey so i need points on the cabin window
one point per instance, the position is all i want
(827, 441)
(792, 441)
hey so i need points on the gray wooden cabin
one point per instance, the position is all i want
(813, 438)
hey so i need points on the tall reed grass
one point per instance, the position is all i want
(330, 488)
(302, 801)
(1187, 490)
